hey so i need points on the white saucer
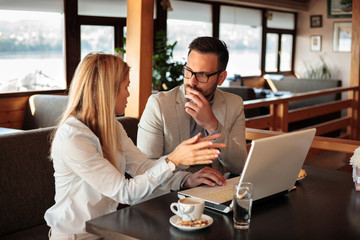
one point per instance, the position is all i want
(173, 220)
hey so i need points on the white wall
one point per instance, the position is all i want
(338, 62)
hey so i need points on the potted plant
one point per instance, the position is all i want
(167, 73)
(321, 71)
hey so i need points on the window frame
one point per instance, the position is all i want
(265, 30)
(48, 91)
(72, 52)
(73, 21)
(117, 23)
(280, 32)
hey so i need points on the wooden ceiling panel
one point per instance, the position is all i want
(293, 5)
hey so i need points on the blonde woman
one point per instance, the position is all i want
(91, 151)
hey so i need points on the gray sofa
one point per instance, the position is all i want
(26, 176)
(300, 85)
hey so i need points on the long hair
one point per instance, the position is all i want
(92, 95)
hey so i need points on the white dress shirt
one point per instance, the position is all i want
(88, 185)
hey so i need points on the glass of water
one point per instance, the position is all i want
(243, 197)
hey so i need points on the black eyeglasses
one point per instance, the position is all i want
(199, 76)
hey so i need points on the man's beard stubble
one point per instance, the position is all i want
(207, 96)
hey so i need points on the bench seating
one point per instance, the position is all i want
(27, 181)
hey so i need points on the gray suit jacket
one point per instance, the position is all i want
(165, 124)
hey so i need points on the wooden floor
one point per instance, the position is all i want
(329, 159)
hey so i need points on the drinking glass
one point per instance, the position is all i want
(243, 197)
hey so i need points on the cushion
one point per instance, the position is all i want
(44, 110)
(27, 181)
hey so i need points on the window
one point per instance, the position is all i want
(186, 22)
(280, 20)
(271, 57)
(241, 30)
(96, 38)
(286, 52)
(104, 8)
(102, 25)
(280, 34)
(31, 51)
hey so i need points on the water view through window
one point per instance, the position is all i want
(31, 51)
(96, 39)
(241, 30)
(189, 21)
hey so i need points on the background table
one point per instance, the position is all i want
(324, 206)
(8, 130)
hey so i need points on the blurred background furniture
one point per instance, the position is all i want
(246, 93)
(301, 85)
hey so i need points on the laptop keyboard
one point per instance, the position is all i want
(221, 196)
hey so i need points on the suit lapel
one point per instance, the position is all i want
(183, 117)
(218, 107)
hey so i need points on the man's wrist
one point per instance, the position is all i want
(214, 129)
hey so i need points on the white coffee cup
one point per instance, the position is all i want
(189, 209)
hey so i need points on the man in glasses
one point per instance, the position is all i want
(197, 106)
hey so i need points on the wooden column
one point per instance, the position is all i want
(139, 46)
(72, 39)
(279, 113)
(355, 70)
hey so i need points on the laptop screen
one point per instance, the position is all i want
(272, 166)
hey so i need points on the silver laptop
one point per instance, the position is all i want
(272, 166)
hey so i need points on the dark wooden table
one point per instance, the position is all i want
(325, 205)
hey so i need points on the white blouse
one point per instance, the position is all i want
(87, 185)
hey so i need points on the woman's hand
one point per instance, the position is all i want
(195, 151)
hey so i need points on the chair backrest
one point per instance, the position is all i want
(130, 125)
(44, 110)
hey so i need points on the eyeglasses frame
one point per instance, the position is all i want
(192, 74)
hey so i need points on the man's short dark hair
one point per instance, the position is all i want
(211, 45)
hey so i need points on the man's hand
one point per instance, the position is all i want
(193, 151)
(208, 176)
(200, 110)
(210, 137)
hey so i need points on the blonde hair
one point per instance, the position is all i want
(92, 95)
